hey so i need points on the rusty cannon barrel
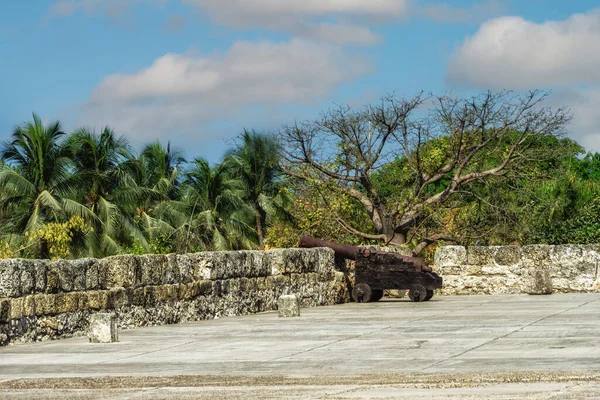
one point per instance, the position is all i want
(347, 251)
(351, 252)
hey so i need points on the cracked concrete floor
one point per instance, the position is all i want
(452, 347)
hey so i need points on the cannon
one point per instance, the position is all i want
(376, 271)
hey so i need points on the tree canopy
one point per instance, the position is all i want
(490, 169)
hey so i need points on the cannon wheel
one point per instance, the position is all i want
(417, 293)
(362, 293)
(376, 295)
(429, 294)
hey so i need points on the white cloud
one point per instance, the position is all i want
(584, 104)
(180, 92)
(476, 12)
(249, 12)
(112, 9)
(513, 53)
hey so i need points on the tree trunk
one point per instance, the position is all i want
(44, 250)
(259, 228)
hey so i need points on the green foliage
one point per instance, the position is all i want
(87, 194)
(59, 236)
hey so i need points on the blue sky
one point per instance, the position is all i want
(196, 72)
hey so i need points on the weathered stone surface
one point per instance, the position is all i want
(60, 276)
(80, 269)
(40, 268)
(566, 255)
(118, 297)
(184, 265)
(92, 271)
(120, 271)
(534, 255)
(288, 306)
(66, 302)
(297, 261)
(537, 280)
(231, 283)
(27, 278)
(16, 308)
(481, 255)
(170, 273)
(508, 255)
(450, 256)
(10, 278)
(103, 328)
(45, 304)
(151, 266)
(29, 306)
(5, 310)
(201, 266)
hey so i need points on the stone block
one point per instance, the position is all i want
(118, 297)
(5, 310)
(40, 268)
(534, 255)
(79, 269)
(481, 255)
(186, 291)
(95, 300)
(66, 302)
(566, 255)
(151, 266)
(10, 278)
(201, 265)
(275, 260)
(120, 271)
(27, 278)
(450, 256)
(60, 276)
(185, 268)
(170, 273)
(45, 304)
(508, 255)
(150, 296)
(138, 297)
(83, 301)
(52, 279)
(29, 306)
(288, 306)
(298, 261)
(537, 280)
(16, 308)
(204, 288)
(103, 328)
(92, 271)
(475, 269)
(257, 264)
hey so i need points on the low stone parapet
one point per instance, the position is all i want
(41, 300)
(535, 269)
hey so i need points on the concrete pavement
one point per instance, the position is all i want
(455, 346)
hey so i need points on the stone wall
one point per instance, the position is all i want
(536, 269)
(41, 300)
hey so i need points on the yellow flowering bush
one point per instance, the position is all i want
(59, 235)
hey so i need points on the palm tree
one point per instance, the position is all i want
(162, 167)
(218, 215)
(105, 169)
(39, 188)
(257, 162)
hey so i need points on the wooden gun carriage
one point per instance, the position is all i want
(376, 271)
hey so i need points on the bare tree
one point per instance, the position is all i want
(442, 144)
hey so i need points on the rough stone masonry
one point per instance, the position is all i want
(41, 300)
(535, 269)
